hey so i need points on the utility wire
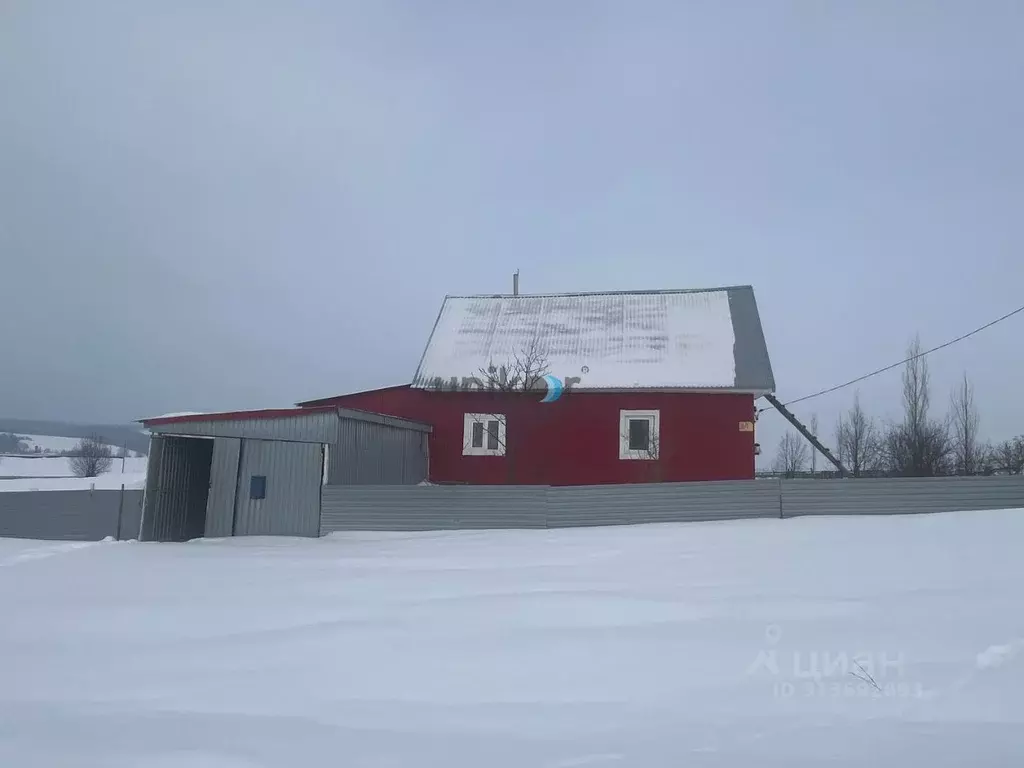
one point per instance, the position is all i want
(949, 343)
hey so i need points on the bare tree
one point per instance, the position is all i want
(1008, 456)
(840, 430)
(987, 461)
(925, 454)
(858, 440)
(792, 455)
(645, 447)
(964, 419)
(521, 373)
(92, 457)
(916, 388)
(919, 446)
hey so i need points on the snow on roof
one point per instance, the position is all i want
(683, 339)
(260, 413)
(176, 415)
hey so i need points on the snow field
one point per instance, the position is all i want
(720, 644)
(53, 473)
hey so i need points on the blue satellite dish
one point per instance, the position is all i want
(554, 389)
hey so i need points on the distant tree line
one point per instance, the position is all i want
(920, 444)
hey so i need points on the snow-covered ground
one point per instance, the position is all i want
(53, 473)
(671, 645)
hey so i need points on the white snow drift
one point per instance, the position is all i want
(721, 644)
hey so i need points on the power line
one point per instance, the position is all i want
(949, 343)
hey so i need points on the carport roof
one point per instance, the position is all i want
(168, 422)
(261, 413)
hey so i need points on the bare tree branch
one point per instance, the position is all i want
(865, 676)
(858, 440)
(522, 373)
(964, 417)
(919, 446)
(92, 457)
(792, 455)
(1008, 456)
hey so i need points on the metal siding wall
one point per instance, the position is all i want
(220, 506)
(417, 450)
(424, 508)
(895, 496)
(314, 427)
(70, 515)
(294, 472)
(156, 520)
(149, 500)
(376, 454)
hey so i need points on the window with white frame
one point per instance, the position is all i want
(639, 434)
(483, 434)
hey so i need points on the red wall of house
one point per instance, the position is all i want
(575, 440)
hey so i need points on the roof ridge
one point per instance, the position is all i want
(570, 294)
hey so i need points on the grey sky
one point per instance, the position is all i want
(235, 204)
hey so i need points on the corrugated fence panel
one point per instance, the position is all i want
(398, 508)
(70, 515)
(661, 503)
(425, 508)
(131, 515)
(897, 496)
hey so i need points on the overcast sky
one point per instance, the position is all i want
(209, 205)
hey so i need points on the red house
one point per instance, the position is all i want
(580, 389)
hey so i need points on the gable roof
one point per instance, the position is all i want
(705, 339)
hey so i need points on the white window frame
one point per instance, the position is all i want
(469, 420)
(654, 417)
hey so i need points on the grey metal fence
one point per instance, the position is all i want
(570, 506)
(404, 508)
(71, 515)
(434, 507)
(93, 515)
(411, 508)
(897, 496)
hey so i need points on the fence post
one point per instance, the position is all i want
(782, 511)
(120, 512)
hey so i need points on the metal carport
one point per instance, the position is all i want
(260, 473)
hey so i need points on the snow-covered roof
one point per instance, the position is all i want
(683, 339)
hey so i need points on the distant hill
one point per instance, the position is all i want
(114, 434)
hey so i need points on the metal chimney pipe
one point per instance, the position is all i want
(515, 283)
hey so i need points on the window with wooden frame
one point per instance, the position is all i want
(639, 435)
(483, 434)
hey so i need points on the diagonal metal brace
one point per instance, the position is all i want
(811, 438)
